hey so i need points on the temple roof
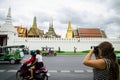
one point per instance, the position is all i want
(90, 32)
(20, 29)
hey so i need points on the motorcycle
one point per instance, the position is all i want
(39, 74)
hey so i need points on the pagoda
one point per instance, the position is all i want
(7, 31)
(8, 26)
(51, 33)
(33, 31)
(69, 33)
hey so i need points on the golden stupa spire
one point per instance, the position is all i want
(33, 31)
(34, 23)
(69, 26)
(69, 33)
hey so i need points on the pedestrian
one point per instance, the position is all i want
(105, 65)
(59, 49)
(75, 49)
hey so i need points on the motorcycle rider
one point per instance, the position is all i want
(29, 61)
(38, 63)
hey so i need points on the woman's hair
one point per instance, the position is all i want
(108, 52)
(37, 51)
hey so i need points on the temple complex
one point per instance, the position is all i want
(81, 38)
(20, 31)
(32, 32)
(84, 32)
(35, 32)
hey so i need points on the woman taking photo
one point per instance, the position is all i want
(105, 65)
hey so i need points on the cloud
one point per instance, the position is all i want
(113, 30)
(82, 13)
(115, 5)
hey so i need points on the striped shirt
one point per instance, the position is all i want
(104, 74)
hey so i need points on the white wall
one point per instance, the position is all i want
(65, 44)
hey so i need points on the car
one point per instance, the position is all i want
(48, 51)
(118, 57)
(11, 53)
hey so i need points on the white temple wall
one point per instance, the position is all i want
(11, 37)
(65, 44)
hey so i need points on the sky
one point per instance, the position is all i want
(103, 14)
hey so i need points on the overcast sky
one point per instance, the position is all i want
(103, 14)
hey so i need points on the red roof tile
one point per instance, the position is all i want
(89, 31)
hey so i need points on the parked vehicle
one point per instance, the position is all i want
(118, 57)
(48, 51)
(23, 72)
(11, 53)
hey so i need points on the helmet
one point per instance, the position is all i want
(32, 52)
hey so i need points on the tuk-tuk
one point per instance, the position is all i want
(13, 54)
(48, 51)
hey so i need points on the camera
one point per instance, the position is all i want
(95, 50)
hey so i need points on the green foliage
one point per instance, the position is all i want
(60, 51)
(117, 51)
(86, 51)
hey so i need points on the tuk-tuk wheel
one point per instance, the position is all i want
(44, 54)
(12, 61)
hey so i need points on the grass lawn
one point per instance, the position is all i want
(72, 52)
(77, 52)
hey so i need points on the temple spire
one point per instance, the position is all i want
(8, 26)
(69, 26)
(34, 23)
(69, 33)
(8, 19)
(33, 31)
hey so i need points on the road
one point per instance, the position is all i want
(60, 67)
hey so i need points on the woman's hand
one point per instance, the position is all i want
(96, 63)
(91, 50)
(88, 56)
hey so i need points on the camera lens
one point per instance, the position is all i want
(95, 49)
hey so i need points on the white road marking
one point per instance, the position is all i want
(78, 71)
(89, 70)
(65, 71)
(53, 71)
(12, 71)
(2, 70)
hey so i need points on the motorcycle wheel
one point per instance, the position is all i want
(45, 77)
(18, 76)
(42, 76)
